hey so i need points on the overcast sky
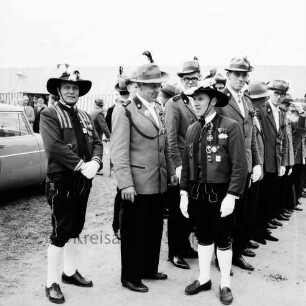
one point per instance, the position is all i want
(38, 33)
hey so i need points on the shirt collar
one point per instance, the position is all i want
(210, 117)
(274, 108)
(234, 94)
(145, 102)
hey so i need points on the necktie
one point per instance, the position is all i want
(240, 103)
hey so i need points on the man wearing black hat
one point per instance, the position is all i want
(179, 114)
(74, 153)
(213, 175)
(142, 164)
(240, 109)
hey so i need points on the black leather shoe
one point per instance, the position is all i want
(271, 226)
(248, 252)
(156, 276)
(253, 245)
(288, 212)
(269, 237)
(179, 262)
(282, 218)
(303, 194)
(226, 296)
(76, 279)
(134, 287)
(191, 253)
(275, 222)
(241, 263)
(195, 287)
(297, 208)
(55, 294)
(260, 239)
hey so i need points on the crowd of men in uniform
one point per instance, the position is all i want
(224, 156)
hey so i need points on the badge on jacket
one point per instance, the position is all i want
(222, 133)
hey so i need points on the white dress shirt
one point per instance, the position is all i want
(151, 107)
(210, 117)
(238, 98)
(275, 111)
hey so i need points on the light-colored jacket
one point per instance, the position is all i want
(29, 111)
(139, 149)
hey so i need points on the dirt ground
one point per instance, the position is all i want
(279, 277)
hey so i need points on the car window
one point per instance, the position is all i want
(12, 124)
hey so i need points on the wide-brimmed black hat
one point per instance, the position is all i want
(222, 99)
(54, 83)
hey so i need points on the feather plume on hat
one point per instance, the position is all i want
(149, 56)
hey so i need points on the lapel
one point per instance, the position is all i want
(232, 102)
(270, 115)
(187, 104)
(143, 110)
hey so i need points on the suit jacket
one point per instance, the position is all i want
(290, 153)
(298, 135)
(179, 115)
(276, 141)
(139, 149)
(228, 164)
(260, 139)
(99, 122)
(60, 140)
(108, 117)
(232, 111)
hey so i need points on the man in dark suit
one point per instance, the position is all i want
(99, 120)
(179, 114)
(240, 109)
(214, 174)
(74, 153)
(259, 94)
(142, 164)
(274, 128)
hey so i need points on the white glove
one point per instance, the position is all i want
(256, 173)
(184, 205)
(282, 171)
(227, 205)
(90, 169)
(178, 172)
(290, 171)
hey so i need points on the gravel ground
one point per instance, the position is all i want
(279, 277)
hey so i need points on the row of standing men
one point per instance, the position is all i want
(208, 176)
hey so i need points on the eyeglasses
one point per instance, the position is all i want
(187, 80)
(238, 74)
(279, 94)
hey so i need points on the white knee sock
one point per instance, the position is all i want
(225, 264)
(205, 253)
(70, 253)
(55, 261)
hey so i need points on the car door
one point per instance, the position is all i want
(20, 160)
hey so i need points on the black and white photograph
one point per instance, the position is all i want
(153, 152)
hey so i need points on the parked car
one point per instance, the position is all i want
(23, 160)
